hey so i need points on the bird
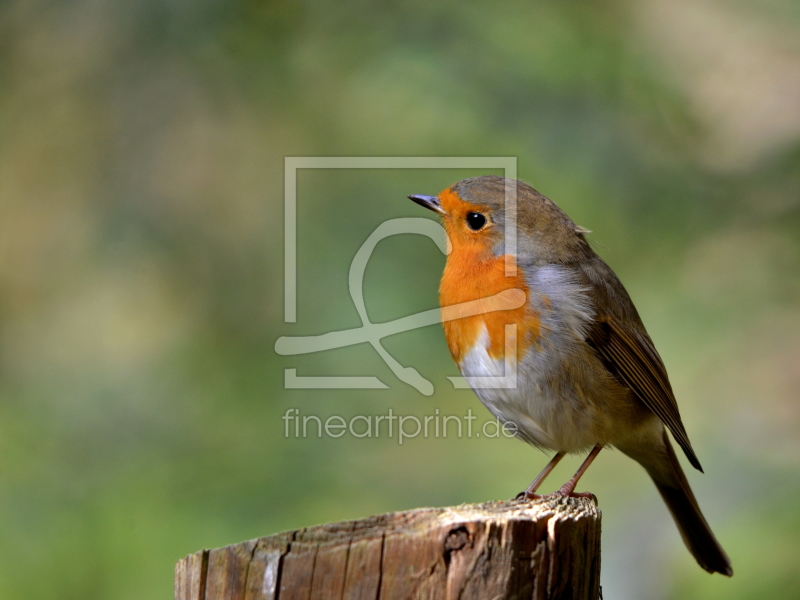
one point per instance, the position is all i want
(588, 374)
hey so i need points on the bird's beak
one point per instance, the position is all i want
(429, 202)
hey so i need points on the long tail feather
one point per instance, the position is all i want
(674, 488)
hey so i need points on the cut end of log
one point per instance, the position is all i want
(547, 548)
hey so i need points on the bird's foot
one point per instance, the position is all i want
(531, 496)
(523, 496)
(568, 491)
(563, 492)
(589, 495)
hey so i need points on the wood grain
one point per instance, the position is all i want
(545, 549)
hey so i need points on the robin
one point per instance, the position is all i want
(588, 374)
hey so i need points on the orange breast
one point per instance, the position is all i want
(473, 273)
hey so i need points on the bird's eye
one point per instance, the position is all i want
(476, 221)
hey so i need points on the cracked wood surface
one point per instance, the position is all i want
(545, 549)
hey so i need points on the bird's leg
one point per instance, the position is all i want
(568, 489)
(530, 494)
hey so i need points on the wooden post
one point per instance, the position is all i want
(549, 548)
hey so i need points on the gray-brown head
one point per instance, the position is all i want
(474, 212)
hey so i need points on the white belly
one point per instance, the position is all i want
(560, 383)
(507, 404)
(547, 408)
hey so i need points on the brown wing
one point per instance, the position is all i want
(633, 360)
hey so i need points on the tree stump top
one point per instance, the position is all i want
(548, 548)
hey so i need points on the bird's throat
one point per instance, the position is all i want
(473, 274)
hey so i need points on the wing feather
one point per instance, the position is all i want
(634, 361)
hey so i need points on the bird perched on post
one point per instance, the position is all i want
(588, 375)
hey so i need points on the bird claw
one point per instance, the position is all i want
(562, 493)
(589, 495)
(524, 496)
(568, 494)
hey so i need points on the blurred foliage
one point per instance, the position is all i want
(142, 150)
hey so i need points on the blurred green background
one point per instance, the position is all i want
(141, 266)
